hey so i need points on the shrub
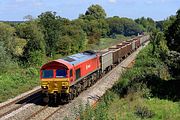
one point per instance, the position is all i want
(143, 112)
(36, 58)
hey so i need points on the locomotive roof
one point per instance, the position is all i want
(79, 57)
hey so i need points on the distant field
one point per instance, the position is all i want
(107, 42)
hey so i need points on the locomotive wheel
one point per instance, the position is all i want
(46, 99)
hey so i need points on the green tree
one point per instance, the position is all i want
(13, 45)
(94, 24)
(173, 34)
(4, 58)
(51, 25)
(123, 26)
(159, 44)
(95, 12)
(31, 32)
(148, 23)
(7, 37)
(71, 40)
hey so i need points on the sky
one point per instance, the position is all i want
(15, 10)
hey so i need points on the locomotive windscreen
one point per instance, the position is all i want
(60, 73)
(47, 74)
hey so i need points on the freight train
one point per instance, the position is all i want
(64, 79)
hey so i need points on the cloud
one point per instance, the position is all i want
(112, 1)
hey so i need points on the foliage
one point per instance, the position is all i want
(4, 58)
(94, 24)
(50, 25)
(173, 33)
(16, 81)
(31, 32)
(159, 44)
(71, 40)
(168, 22)
(143, 112)
(123, 26)
(95, 12)
(142, 92)
(173, 62)
(7, 37)
(59, 32)
(147, 23)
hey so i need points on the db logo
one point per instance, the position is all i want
(88, 66)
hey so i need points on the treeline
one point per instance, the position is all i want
(32, 41)
(166, 43)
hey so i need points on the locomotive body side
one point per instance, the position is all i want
(86, 67)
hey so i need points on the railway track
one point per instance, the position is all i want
(18, 103)
(39, 114)
(36, 113)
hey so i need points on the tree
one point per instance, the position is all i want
(94, 24)
(160, 48)
(148, 23)
(7, 37)
(4, 57)
(95, 12)
(173, 34)
(51, 25)
(168, 22)
(13, 45)
(31, 32)
(123, 26)
(71, 40)
(28, 17)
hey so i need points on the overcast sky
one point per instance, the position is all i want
(156, 9)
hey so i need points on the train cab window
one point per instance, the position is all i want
(71, 73)
(60, 73)
(47, 74)
(78, 73)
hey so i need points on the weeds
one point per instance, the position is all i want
(143, 112)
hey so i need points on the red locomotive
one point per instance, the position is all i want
(65, 78)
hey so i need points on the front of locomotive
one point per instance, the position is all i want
(55, 79)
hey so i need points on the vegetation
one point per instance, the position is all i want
(173, 33)
(142, 92)
(150, 90)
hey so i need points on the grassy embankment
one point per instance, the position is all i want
(146, 91)
(17, 80)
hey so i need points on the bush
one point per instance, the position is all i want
(36, 58)
(143, 112)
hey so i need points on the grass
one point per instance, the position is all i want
(144, 92)
(17, 81)
(106, 42)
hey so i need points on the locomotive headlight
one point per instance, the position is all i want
(64, 83)
(44, 87)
